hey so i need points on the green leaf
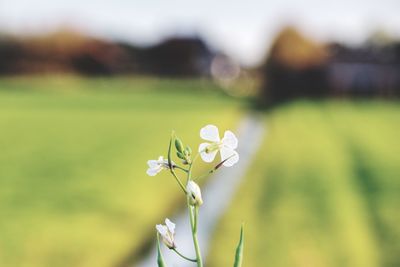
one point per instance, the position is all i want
(160, 259)
(239, 250)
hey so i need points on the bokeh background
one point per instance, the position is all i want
(90, 90)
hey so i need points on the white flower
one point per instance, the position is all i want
(194, 192)
(167, 233)
(226, 146)
(155, 166)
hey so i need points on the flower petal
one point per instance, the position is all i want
(170, 225)
(231, 155)
(230, 140)
(152, 163)
(203, 146)
(207, 157)
(210, 133)
(152, 171)
(162, 229)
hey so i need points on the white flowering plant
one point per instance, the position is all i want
(226, 146)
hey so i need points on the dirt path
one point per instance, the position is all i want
(217, 194)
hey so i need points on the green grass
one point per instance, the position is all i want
(73, 152)
(324, 190)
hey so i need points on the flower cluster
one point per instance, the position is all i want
(207, 151)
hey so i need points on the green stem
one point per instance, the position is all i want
(179, 181)
(204, 174)
(180, 168)
(189, 176)
(160, 259)
(170, 163)
(183, 256)
(193, 217)
(215, 168)
(193, 223)
(196, 213)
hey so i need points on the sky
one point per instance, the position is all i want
(244, 29)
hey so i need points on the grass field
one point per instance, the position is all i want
(323, 191)
(73, 187)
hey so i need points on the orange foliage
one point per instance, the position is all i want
(295, 51)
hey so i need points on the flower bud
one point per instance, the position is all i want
(180, 155)
(188, 151)
(167, 233)
(179, 145)
(194, 194)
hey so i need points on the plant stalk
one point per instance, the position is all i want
(193, 218)
(183, 256)
(193, 223)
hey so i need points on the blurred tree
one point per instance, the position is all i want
(295, 68)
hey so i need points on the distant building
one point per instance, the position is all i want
(364, 71)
